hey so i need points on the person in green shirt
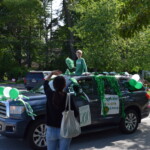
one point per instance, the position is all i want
(80, 63)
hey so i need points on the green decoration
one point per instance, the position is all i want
(1, 91)
(83, 97)
(74, 81)
(28, 108)
(67, 72)
(132, 82)
(106, 110)
(101, 91)
(3, 98)
(14, 93)
(139, 85)
(70, 63)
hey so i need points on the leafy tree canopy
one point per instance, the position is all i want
(135, 16)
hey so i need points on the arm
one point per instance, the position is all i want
(46, 85)
(84, 65)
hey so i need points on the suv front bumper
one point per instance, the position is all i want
(13, 127)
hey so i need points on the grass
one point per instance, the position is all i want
(7, 82)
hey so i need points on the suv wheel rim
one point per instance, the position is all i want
(39, 136)
(131, 121)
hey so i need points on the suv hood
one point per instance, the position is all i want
(33, 96)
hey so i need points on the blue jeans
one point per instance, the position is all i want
(55, 141)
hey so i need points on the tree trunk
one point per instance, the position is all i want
(69, 24)
(29, 49)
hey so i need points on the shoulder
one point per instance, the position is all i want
(82, 59)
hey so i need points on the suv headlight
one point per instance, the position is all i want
(16, 110)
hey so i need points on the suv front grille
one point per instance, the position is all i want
(3, 109)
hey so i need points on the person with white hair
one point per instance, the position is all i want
(80, 64)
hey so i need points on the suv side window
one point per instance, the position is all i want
(89, 87)
(108, 88)
(123, 84)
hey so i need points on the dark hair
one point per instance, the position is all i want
(59, 84)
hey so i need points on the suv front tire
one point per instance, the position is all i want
(37, 135)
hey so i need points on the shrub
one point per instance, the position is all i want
(16, 72)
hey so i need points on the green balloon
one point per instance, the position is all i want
(139, 85)
(1, 90)
(14, 93)
(70, 63)
(132, 82)
(67, 72)
(74, 80)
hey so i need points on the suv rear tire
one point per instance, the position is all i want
(130, 123)
(36, 137)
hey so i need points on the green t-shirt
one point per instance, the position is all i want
(80, 66)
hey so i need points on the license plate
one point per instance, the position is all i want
(33, 80)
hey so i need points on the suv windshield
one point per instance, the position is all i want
(40, 88)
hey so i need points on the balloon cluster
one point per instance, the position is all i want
(13, 93)
(70, 63)
(8, 92)
(134, 82)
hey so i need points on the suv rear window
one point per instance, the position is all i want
(124, 86)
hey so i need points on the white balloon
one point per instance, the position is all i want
(6, 91)
(136, 77)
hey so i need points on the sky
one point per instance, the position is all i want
(56, 5)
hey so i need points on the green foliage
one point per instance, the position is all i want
(148, 79)
(135, 16)
(16, 72)
(104, 49)
(97, 30)
(21, 30)
(9, 67)
(20, 26)
(97, 26)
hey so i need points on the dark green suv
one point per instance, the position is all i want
(100, 108)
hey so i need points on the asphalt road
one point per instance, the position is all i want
(105, 140)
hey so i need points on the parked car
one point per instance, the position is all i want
(14, 121)
(33, 78)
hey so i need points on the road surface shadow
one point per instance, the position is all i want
(114, 139)
(13, 144)
(105, 140)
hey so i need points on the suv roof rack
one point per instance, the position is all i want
(112, 73)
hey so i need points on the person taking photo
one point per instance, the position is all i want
(55, 105)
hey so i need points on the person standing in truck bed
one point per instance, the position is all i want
(80, 63)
